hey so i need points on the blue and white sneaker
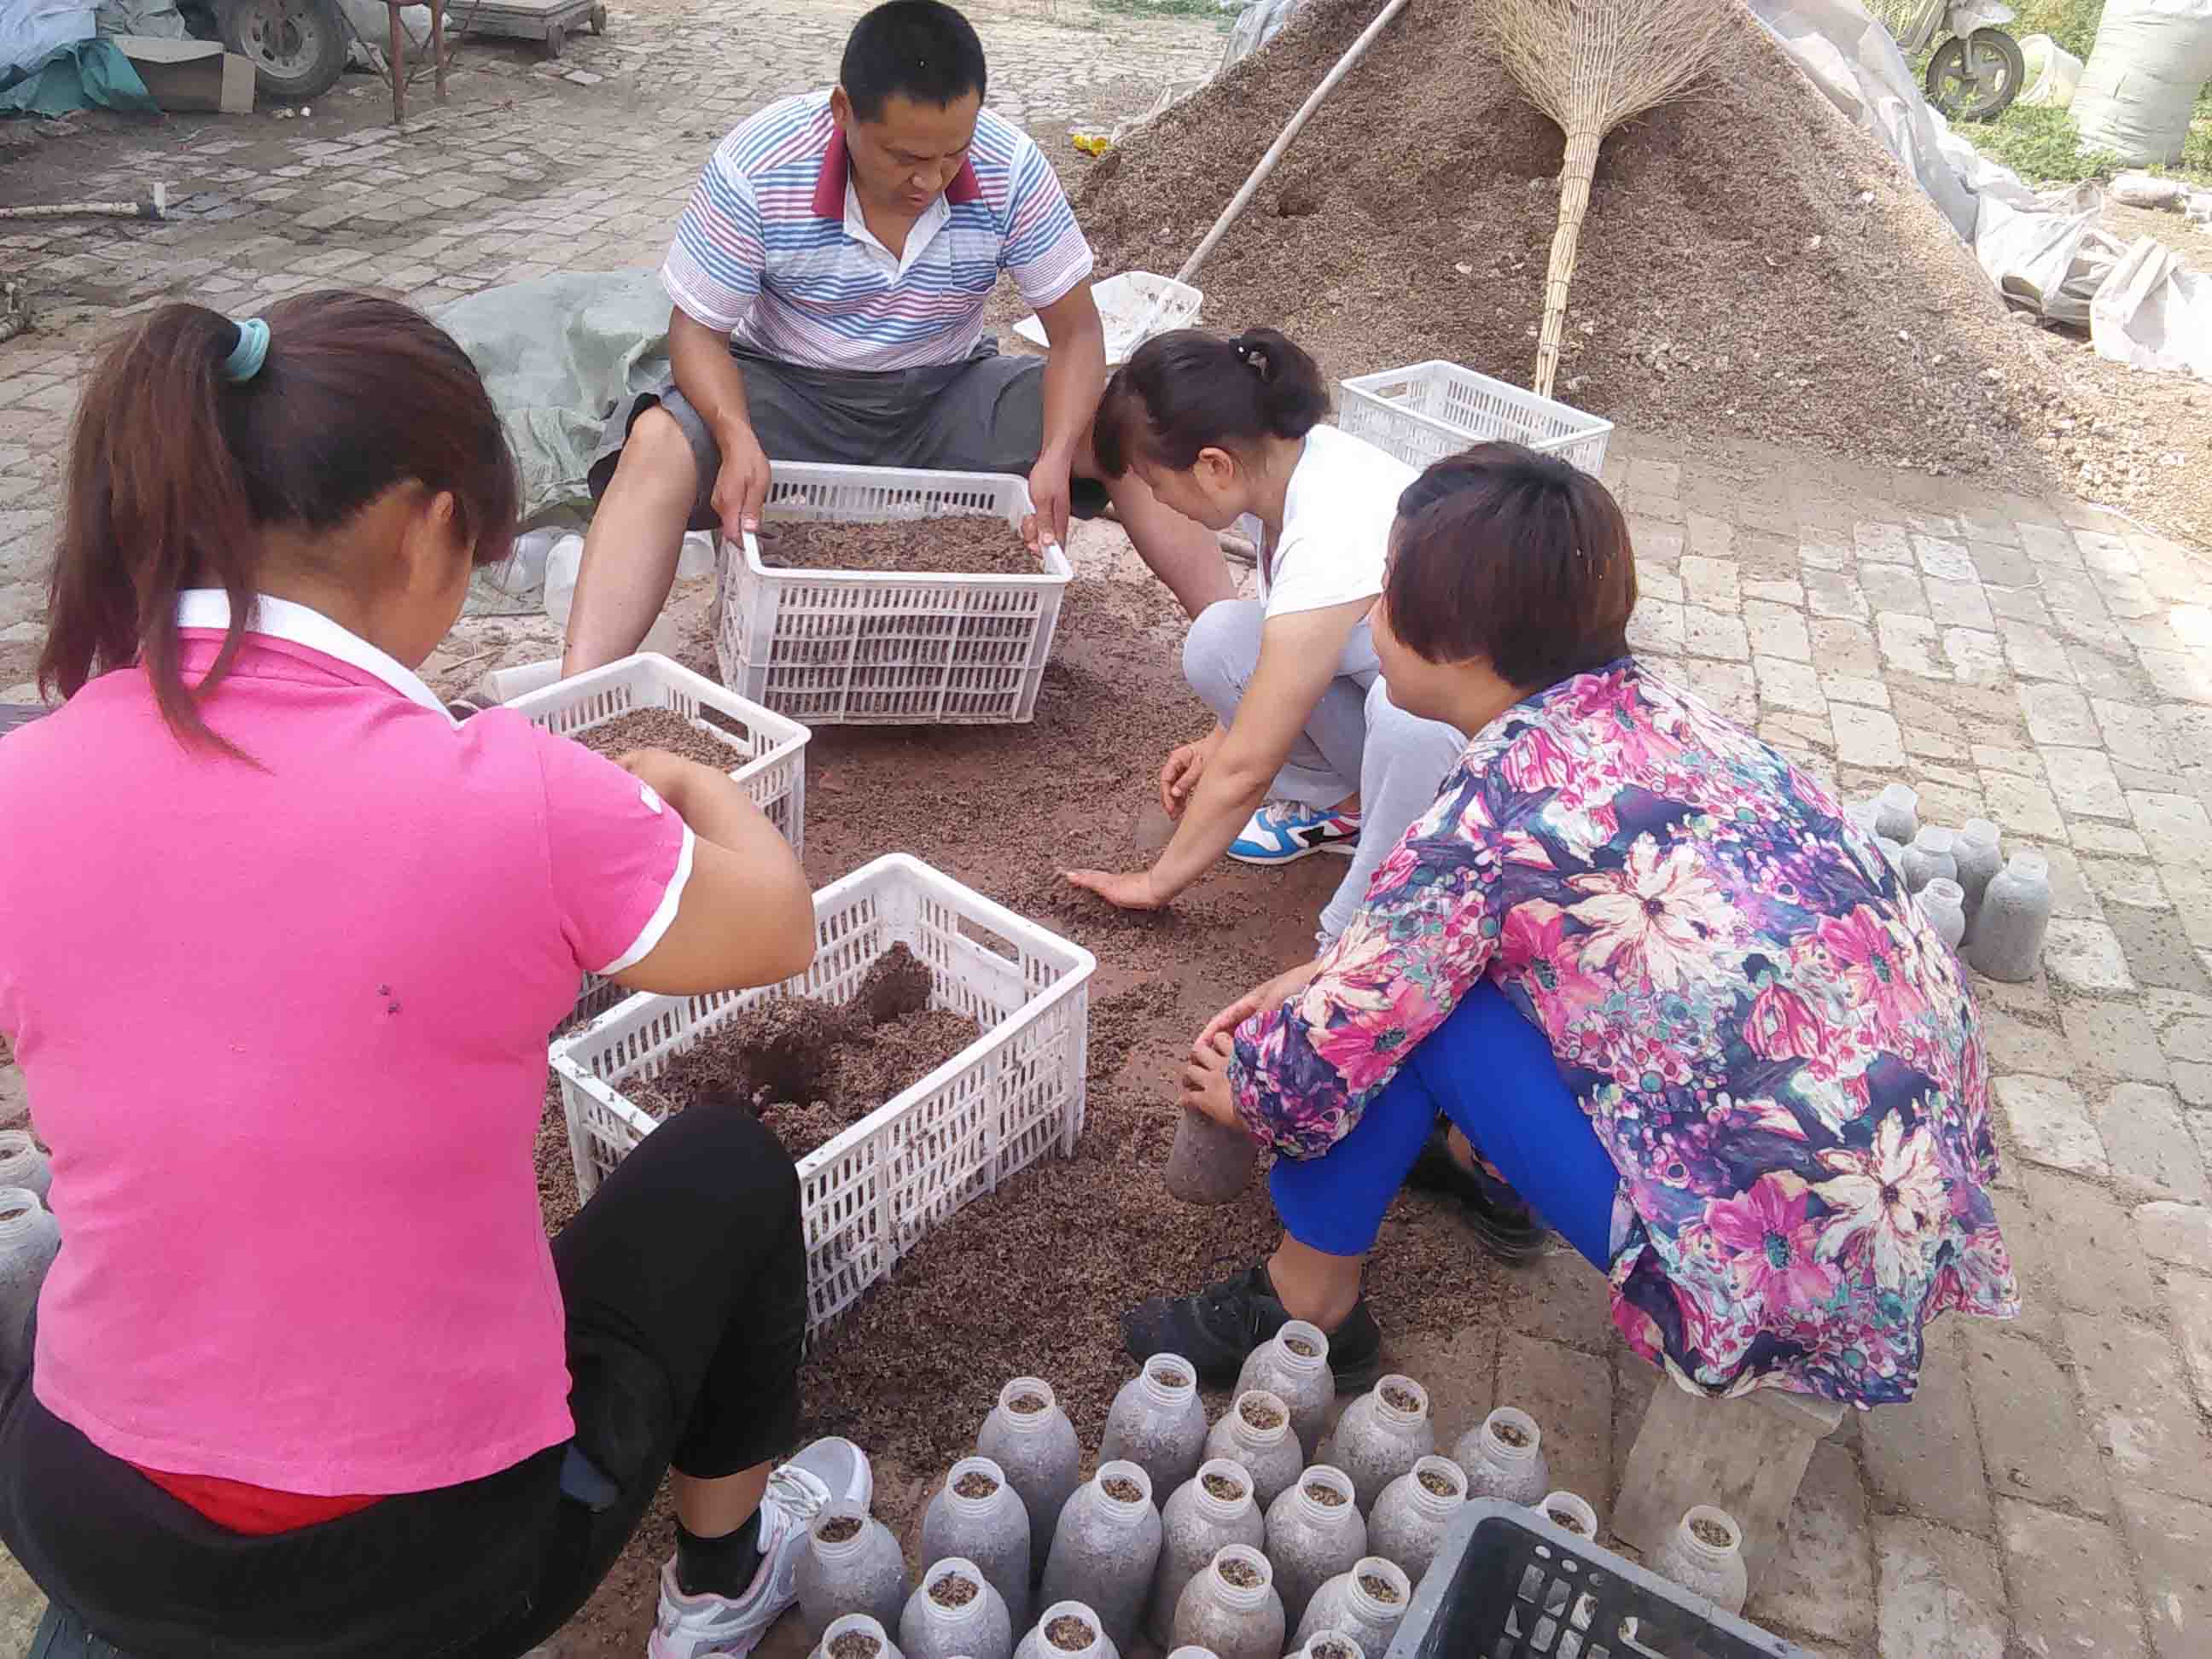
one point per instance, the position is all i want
(721, 1627)
(1284, 831)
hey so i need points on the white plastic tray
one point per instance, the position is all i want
(1127, 307)
(881, 648)
(872, 1192)
(1426, 411)
(768, 753)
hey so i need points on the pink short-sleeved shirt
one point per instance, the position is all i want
(284, 1029)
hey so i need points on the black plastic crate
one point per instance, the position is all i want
(1509, 1584)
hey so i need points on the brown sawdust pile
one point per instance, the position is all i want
(960, 544)
(1751, 267)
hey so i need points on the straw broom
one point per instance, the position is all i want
(1590, 65)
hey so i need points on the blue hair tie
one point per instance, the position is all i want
(249, 353)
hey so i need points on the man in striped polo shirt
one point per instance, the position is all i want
(829, 280)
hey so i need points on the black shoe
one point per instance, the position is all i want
(1218, 1328)
(1501, 1218)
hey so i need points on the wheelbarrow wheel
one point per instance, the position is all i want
(298, 47)
(599, 20)
(1975, 79)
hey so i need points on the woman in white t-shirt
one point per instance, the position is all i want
(1308, 754)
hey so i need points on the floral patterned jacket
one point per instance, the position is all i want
(1776, 1048)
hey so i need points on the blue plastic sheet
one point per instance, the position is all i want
(78, 76)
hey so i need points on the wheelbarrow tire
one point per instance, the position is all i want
(298, 47)
(1964, 99)
(599, 20)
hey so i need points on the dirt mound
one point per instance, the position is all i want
(1751, 267)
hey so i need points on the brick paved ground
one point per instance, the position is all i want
(2034, 661)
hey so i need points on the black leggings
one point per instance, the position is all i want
(684, 1281)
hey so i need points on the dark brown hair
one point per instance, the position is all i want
(1190, 390)
(176, 471)
(1514, 557)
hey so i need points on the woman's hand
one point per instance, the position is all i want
(1185, 762)
(1133, 890)
(1272, 994)
(1205, 1080)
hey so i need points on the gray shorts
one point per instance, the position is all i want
(984, 414)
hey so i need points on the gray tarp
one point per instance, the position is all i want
(556, 355)
(154, 19)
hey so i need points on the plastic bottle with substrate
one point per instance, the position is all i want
(1315, 1531)
(1367, 1603)
(23, 1164)
(1194, 1653)
(1107, 1548)
(1569, 1513)
(1231, 1609)
(1409, 1520)
(1944, 903)
(954, 1613)
(1293, 1366)
(1897, 813)
(1381, 1436)
(1504, 1457)
(1029, 1436)
(851, 1564)
(2015, 913)
(1255, 1432)
(1706, 1554)
(1930, 858)
(1210, 1162)
(1159, 1422)
(1331, 1644)
(1215, 1508)
(856, 1636)
(1068, 1630)
(1979, 857)
(29, 1240)
(975, 1516)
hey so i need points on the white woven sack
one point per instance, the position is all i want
(2151, 59)
(2053, 72)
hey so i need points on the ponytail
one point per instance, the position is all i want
(1189, 391)
(198, 434)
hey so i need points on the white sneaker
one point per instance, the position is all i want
(720, 1627)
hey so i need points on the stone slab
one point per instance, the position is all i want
(1939, 1596)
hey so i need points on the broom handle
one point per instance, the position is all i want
(1574, 175)
(1275, 151)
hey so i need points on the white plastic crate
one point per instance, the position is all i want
(768, 753)
(872, 1192)
(883, 647)
(1429, 410)
(1132, 306)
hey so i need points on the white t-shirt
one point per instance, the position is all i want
(1337, 516)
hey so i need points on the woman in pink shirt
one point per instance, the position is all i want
(280, 945)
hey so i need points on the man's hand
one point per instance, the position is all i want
(1049, 493)
(741, 486)
(1269, 994)
(1133, 890)
(1205, 1082)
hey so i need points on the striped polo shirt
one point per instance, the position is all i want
(774, 249)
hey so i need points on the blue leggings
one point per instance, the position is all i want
(1491, 1072)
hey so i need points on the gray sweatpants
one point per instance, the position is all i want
(1355, 740)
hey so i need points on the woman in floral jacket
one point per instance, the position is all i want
(1642, 963)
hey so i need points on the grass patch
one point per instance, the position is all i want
(2041, 144)
(1162, 8)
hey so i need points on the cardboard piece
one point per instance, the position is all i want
(191, 75)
